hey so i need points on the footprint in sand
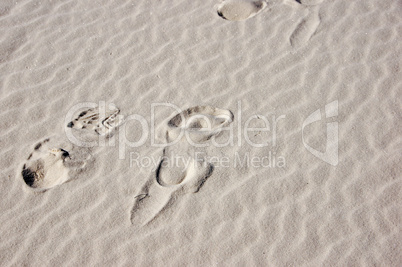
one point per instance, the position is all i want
(199, 123)
(306, 28)
(175, 177)
(54, 162)
(237, 10)
(49, 165)
(308, 25)
(166, 184)
(97, 120)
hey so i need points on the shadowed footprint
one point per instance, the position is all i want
(48, 166)
(102, 122)
(237, 10)
(200, 123)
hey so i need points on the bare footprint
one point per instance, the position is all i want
(101, 122)
(237, 10)
(200, 123)
(48, 165)
(166, 184)
(306, 28)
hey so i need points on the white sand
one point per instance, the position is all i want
(85, 206)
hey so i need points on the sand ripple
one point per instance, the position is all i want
(55, 54)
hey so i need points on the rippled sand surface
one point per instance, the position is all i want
(239, 63)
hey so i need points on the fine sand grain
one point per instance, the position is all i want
(295, 107)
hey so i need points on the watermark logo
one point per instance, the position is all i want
(330, 155)
(237, 161)
(200, 127)
(197, 126)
